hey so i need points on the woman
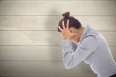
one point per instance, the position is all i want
(85, 44)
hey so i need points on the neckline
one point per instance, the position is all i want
(84, 33)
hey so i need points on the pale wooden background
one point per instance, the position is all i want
(30, 44)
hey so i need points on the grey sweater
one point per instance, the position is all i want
(93, 50)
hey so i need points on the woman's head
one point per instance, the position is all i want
(73, 22)
(74, 26)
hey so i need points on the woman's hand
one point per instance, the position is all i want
(65, 32)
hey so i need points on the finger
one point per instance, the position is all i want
(60, 28)
(63, 25)
(67, 24)
(59, 32)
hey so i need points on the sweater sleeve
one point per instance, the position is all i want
(73, 57)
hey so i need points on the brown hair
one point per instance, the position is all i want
(72, 21)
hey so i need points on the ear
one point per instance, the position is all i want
(72, 30)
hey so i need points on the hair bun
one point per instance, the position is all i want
(66, 14)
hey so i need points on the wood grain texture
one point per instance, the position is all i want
(57, 7)
(107, 23)
(35, 53)
(35, 68)
(42, 38)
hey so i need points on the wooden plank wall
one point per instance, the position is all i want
(29, 42)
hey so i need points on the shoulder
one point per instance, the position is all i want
(90, 43)
(92, 32)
